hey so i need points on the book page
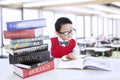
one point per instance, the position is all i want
(71, 64)
(96, 63)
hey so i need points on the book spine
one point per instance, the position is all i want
(31, 72)
(23, 45)
(27, 50)
(32, 57)
(28, 33)
(13, 41)
(26, 24)
(31, 66)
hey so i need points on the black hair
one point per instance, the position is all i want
(61, 21)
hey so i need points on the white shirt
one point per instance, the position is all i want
(76, 49)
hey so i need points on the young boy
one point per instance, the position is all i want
(64, 44)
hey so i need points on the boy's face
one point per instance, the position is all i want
(66, 32)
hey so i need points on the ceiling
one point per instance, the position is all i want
(84, 7)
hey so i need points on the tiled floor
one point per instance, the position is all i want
(115, 54)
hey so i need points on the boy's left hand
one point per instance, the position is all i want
(70, 56)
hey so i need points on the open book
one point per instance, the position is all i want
(92, 63)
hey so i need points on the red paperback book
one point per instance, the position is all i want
(25, 73)
(28, 33)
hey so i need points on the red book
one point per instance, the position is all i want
(25, 73)
(28, 33)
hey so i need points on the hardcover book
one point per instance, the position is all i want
(28, 33)
(23, 45)
(91, 63)
(29, 58)
(25, 73)
(26, 24)
(31, 65)
(27, 50)
(14, 41)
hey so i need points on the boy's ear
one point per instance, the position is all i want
(57, 33)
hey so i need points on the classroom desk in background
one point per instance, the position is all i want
(6, 73)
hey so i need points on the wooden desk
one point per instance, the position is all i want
(64, 74)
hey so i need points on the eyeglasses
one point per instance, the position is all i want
(68, 32)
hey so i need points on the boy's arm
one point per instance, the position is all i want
(76, 50)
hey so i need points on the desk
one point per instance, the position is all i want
(62, 74)
(117, 46)
(97, 49)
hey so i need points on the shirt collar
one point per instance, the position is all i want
(60, 39)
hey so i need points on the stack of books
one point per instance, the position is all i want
(28, 53)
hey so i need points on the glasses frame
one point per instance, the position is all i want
(66, 33)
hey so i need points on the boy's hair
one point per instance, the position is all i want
(61, 21)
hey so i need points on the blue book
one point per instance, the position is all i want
(26, 24)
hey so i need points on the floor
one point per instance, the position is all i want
(115, 54)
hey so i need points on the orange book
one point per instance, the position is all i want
(28, 33)
(25, 73)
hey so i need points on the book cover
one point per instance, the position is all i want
(32, 65)
(23, 45)
(28, 33)
(27, 50)
(26, 24)
(91, 63)
(14, 41)
(28, 58)
(25, 73)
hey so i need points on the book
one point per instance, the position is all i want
(26, 24)
(14, 41)
(25, 73)
(28, 58)
(23, 45)
(28, 33)
(31, 65)
(90, 63)
(27, 50)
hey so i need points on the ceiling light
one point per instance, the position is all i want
(52, 2)
(5, 2)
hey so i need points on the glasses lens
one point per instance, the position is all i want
(72, 31)
(68, 32)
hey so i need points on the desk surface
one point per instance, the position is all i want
(6, 73)
(98, 49)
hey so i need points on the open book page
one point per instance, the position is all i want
(96, 63)
(91, 63)
(71, 64)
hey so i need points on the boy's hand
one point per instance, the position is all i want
(70, 56)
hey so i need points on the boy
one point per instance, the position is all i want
(64, 45)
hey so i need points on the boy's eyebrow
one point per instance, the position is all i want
(69, 30)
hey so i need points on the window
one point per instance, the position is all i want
(79, 27)
(49, 29)
(1, 27)
(114, 28)
(6, 15)
(95, 26)
(100, 25)
(110, 22)
(87, 26)
(30, 14)
(105, 26)
(58, 15)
